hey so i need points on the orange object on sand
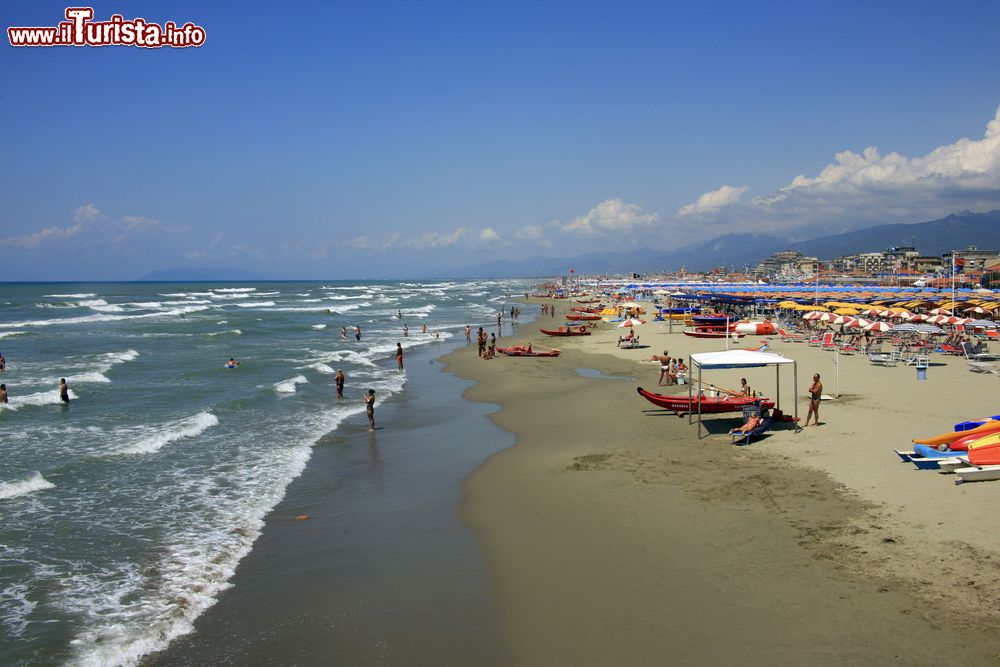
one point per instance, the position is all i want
(948, 438)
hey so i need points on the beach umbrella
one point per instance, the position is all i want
(918, 318)
(631, 322)
(978, 310)
(826, 317)
(859, 323)
(878, 326)
(842, 320)
(938, 319)
(940, 311)
(846, 310)
(814, 315)
(872, 311)
(900, 315)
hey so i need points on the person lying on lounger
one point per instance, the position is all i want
(751, 424)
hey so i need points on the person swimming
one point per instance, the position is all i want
(63, 391)
(232, 363)
(3, 394)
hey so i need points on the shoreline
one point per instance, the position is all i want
(383, 543)
(613, 535)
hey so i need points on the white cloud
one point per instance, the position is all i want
(93, 225)
(860, 189)
(712, 201)
(488, 235)
(610, 216)
(530, 233)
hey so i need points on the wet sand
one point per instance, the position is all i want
(383, 572)
(614, 536)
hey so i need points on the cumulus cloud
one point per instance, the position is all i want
(90, 224)
(458, 237)
(711, 202)
(869, 187)
(610, 216)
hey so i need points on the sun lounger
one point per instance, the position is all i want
(760, 429)
(882, 358)
(787, 337)
(828, 342)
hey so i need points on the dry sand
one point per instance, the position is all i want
(616, 537)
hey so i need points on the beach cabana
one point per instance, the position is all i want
(731, 359)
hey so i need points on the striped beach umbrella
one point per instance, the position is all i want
(878, 326)
(940, 311)
(917, 318)
(978, 310)
(860, 323)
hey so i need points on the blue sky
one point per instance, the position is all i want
(380, 139)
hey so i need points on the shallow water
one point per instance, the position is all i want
(126, 513)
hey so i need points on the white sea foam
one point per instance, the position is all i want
(25, 486)
(152, 304)
(36, 399)
(288, 386)
(8, 334)
(185, 428)
(319, 326)
(256, 304)
(322, 368)
(102, 318)
(108, 308)
(84, 378)
(234, 290)
(71, 296)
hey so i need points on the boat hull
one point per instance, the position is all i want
(566, 331)
(709, 405)
(516, 351)
(712, 333)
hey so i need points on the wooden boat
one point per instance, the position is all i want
(567, 331)
(589, 311)
(588, 300)
(682, 405)
(711, 332)
(582, 317)
(526, 351)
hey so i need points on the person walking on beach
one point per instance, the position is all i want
(63, 391)
(338, 380)
(664, 360)
(399, 355)
(357, 333)
(370, 407)
(468, 333)
(3, 394)
(491, 351)
(815, 396)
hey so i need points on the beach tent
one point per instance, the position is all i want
(743, 359)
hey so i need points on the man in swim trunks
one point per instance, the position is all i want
(664, 360)
(3, 394)
(63, 391)
(815, 396)
(370, 406)
(232, 363)
(338, 379)
(481, 340)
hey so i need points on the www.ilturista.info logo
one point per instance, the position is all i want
(79, 29)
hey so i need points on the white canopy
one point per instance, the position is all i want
(738, 359)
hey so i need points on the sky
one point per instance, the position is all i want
(382, 139)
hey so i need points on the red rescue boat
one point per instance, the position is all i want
(567, 331)
(584, 317)
(682, 405)
(526, 351)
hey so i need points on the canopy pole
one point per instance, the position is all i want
(699, 401)
(777, 384)
(795, 387)
(690, 386)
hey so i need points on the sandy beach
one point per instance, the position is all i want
(614, 536)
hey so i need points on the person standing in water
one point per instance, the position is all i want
(3, 363)
(370, 406)
(406, 331)
(399, 355)
(63, 391)
(3, 394)
(343, 333)
(357, 333)
(338, 380)
(468, 333)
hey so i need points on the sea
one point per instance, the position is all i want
(124, 514)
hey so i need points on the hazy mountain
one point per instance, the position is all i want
(195, 274)
(954, 232)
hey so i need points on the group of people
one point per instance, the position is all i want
(672, 371)
(549, 309)
(63, 392)
(487, 344)
(343, 333)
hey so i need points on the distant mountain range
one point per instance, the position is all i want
(954, 232)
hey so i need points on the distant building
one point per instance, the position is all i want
(969, 260)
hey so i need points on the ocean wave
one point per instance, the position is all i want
(185, 428)
(288, 386)
(25, 486)
(319, 326)
(92, 302)
(234, 290)
(102, 318)
(235, 332)
(256, 304)
(151, 304)
(235, 295)
(8, 334)
(88, 295)
(84, 378)
(36, 399)
(322, 368)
